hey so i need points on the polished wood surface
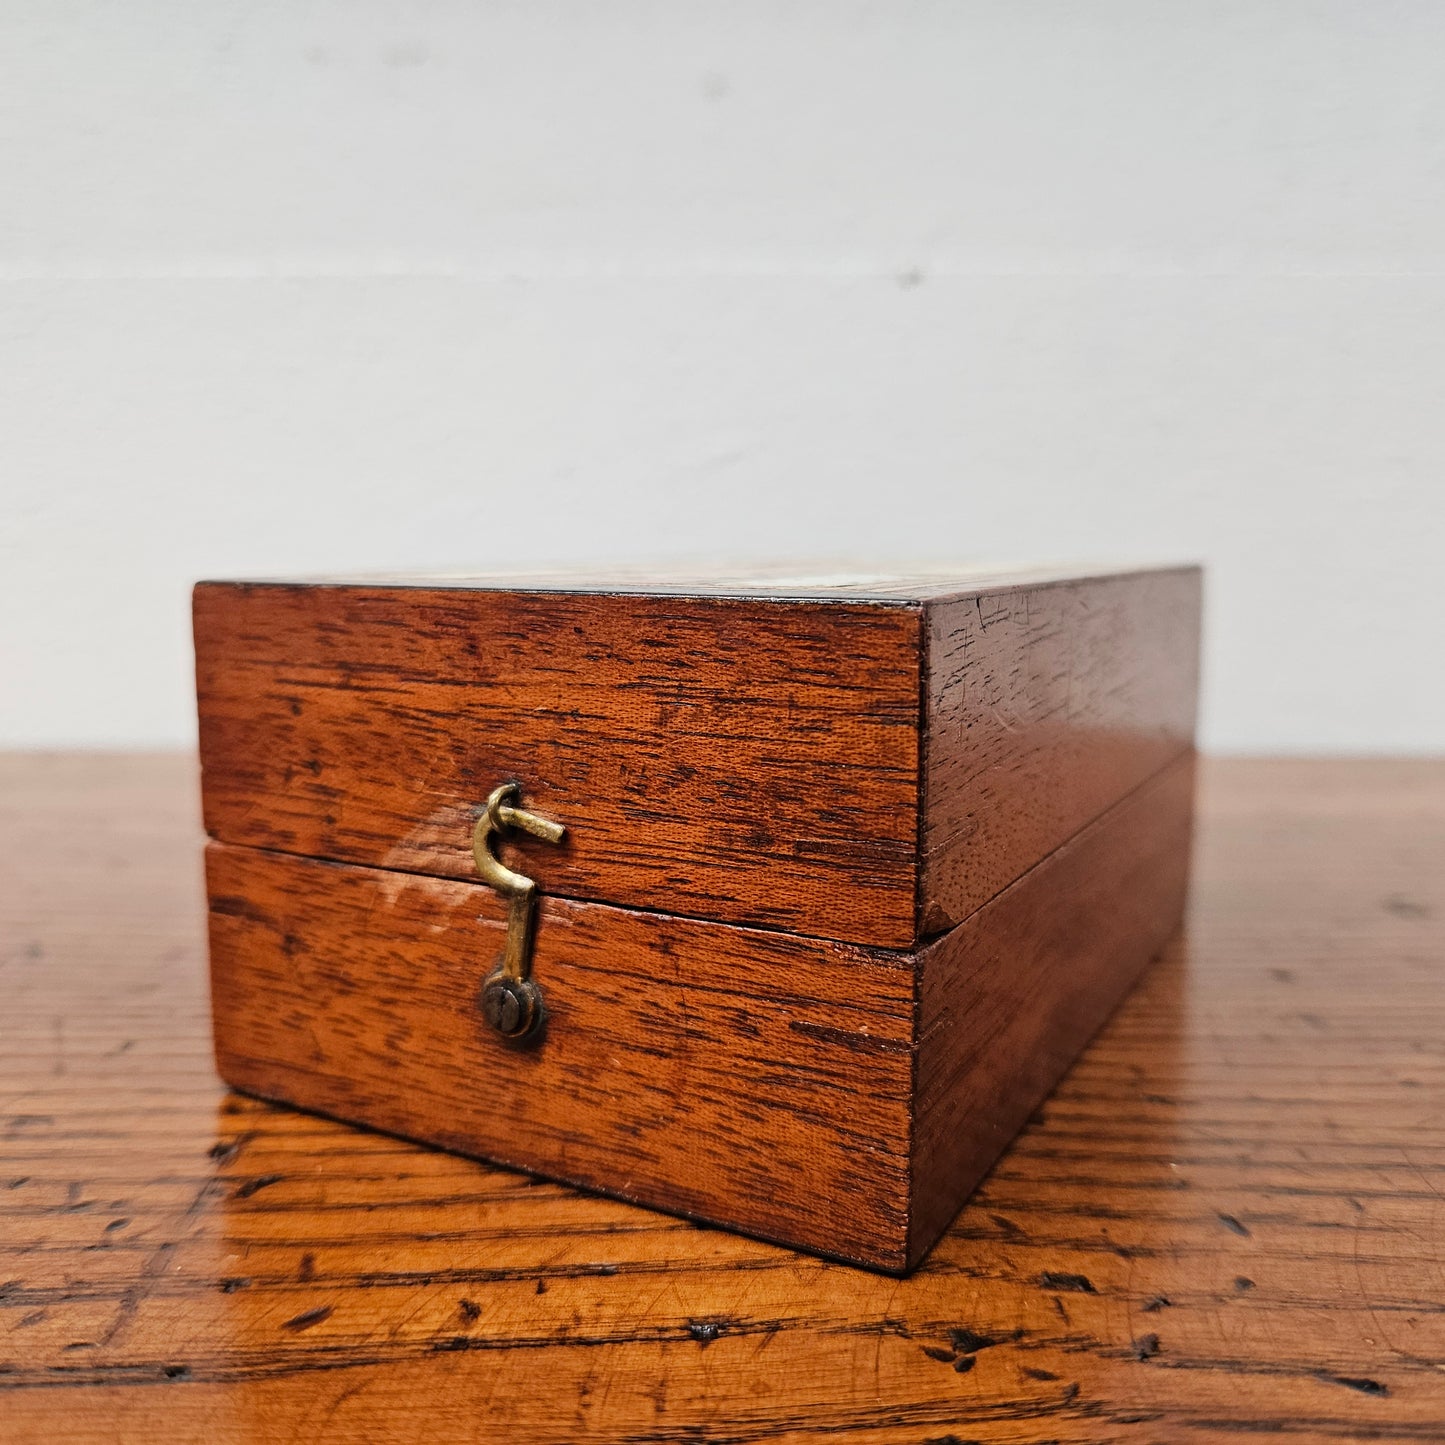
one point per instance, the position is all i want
(753, 762)
(819, 1094)
(750, 1078)
(1045, 706)
(863, 767)
(1008, 998)
(1228, 1222)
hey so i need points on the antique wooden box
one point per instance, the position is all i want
(778, 902)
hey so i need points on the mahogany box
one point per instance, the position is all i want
(776, 902)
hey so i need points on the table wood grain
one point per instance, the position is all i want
(1229, 1221)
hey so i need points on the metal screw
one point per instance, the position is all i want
(513, 1006)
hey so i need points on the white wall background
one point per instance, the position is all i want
(311, 285)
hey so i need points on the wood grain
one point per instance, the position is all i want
(1226, 1223)
(831, 1097)
(1008, 998)
(750, 1078)
(1046, 705)
(716, 758)
(865, 770)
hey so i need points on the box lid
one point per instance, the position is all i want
(858, 757)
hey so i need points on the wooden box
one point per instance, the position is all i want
(852, 869)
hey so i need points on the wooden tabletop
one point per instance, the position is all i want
(1229, 1221)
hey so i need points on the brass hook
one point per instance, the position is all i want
(511, 1000)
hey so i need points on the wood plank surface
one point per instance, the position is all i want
(1228, 1222)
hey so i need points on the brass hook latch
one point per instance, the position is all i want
(511, 999)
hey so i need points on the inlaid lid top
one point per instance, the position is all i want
(856, 756)
(843, 581)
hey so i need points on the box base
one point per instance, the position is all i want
(834, 1098)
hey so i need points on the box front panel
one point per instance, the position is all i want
(750, 761)
(758, 1081)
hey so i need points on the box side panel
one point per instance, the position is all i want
(758, 1081)
(1046, 705)
(750, 761)
(1009, 998)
